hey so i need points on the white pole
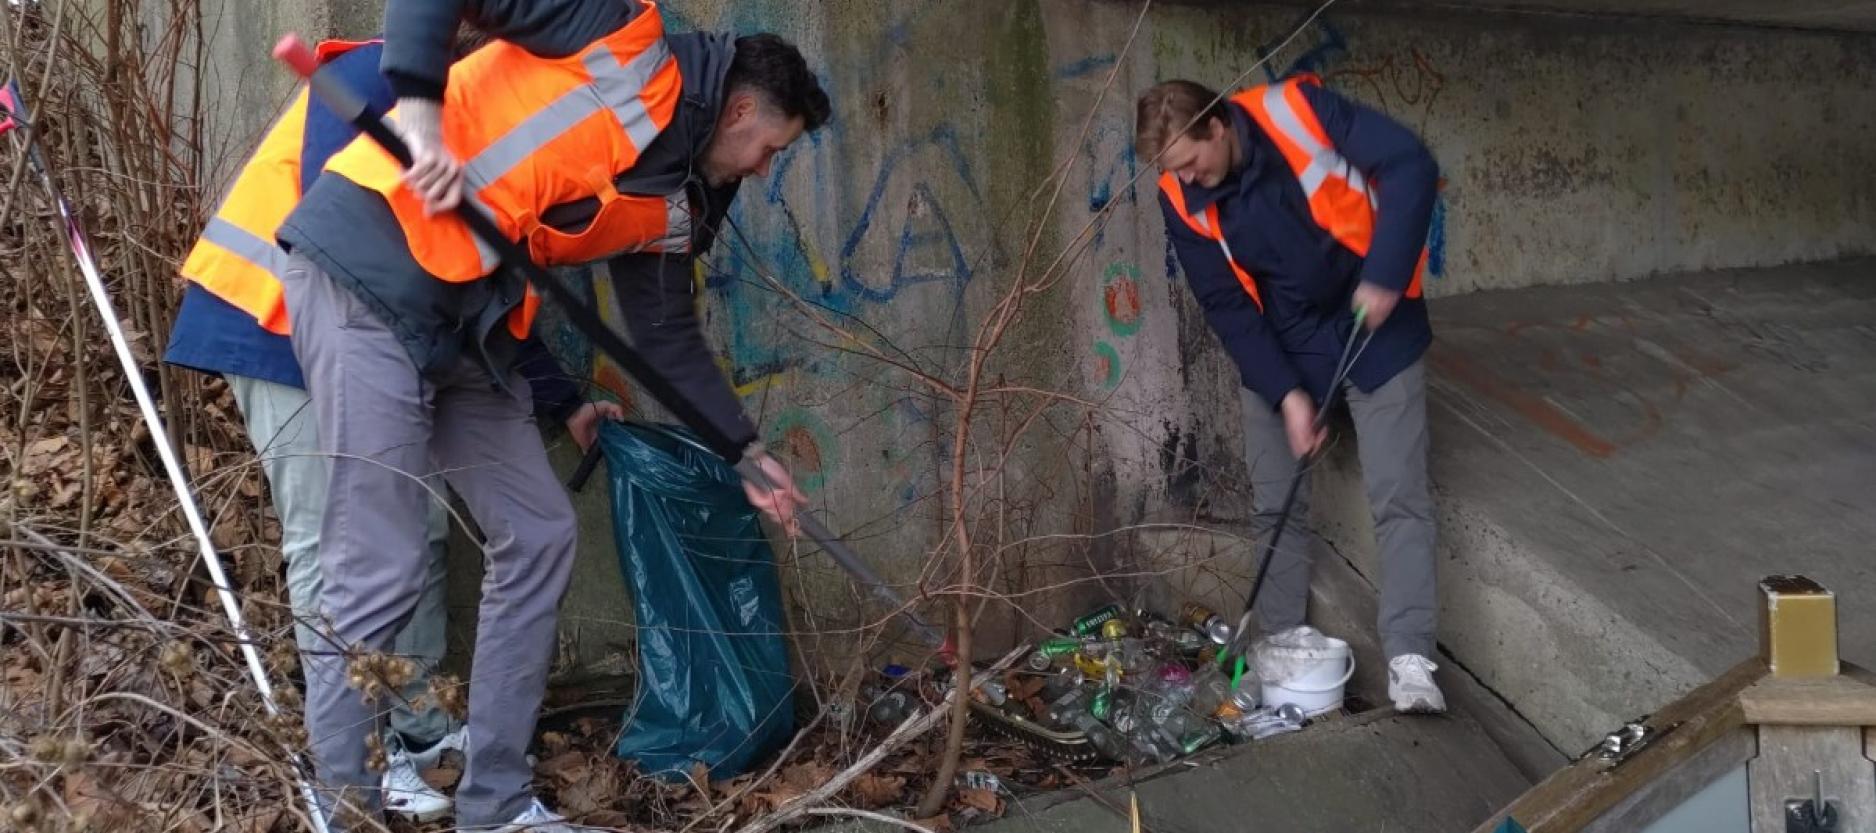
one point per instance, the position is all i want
(82, 252)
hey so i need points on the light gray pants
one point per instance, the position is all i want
(386, 426)
(280, 423)
(1391, 437)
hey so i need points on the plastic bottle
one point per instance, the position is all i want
(1182, 730)
(1211, 690)
(1062, 681)
(1248, 693)
(1067, 710)
(992, 692)
(1173, 682)
(1104, 740)
(890, 709)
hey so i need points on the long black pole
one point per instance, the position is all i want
(349, 106)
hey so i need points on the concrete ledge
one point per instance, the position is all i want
(1615, 467)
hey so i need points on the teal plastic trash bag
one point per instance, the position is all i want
(714, 685)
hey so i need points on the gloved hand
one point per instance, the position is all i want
(435, 175)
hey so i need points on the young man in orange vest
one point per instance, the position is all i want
(588, 135)
(233, 323)
(1290, 206)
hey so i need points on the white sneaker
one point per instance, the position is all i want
(1410, 685)
(536, 819)
(405, 791)
(429, 758)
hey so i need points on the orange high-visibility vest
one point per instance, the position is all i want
(534, 133)
(236, 258)
(1341, 200)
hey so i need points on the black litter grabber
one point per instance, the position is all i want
(348, 105)
(1235, 649)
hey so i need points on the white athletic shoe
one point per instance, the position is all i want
(405, 791)
(1410, 685)
(536, 819)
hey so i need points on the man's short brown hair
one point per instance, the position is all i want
(1167, 108)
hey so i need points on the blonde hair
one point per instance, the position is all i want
(1167, 108)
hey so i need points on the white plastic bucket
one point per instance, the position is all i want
(1312, 677)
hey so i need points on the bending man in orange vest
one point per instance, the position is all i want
(587, 135)
(233, 323)
(1289, 206)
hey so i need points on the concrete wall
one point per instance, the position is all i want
(1573, 150)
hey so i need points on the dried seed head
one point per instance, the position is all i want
(375, 759)
(284, 657)
(80, 822)
(47, 749)
(177, 658)
(397, 671)
(450, 696)
(75, 752)
(25, 815)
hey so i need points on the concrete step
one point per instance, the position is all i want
(1615, 467)
(1409, 774)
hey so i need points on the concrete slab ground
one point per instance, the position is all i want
(1617, 465)
(1398, 774)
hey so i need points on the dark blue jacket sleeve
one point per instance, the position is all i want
(660, 305)
(419, 34)
(1402, 173)
(1248, 338)
(556, 394)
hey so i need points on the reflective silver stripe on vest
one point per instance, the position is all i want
(1219, 236)
(619, 85)
(615, 87)
(245, 245)
(1324, 161)
(677, 226)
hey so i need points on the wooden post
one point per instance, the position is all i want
(1810, 719)
(1798, 627)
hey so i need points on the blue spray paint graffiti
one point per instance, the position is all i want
(1329, 46)
(1085, 66)
(920, 237)
(926, 229)
(1436, 235)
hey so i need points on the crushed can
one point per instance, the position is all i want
(1204, 620)
(1090, 624)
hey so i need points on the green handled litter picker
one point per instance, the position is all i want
(1233, 654)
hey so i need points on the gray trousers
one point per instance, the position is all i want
(385, 427)
(280, 423)
(1391, 437)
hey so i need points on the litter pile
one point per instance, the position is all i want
(1141, 688)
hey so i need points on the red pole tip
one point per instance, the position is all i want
(296, 55)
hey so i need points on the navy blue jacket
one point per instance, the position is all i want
(213, 336)
(1304, 276)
